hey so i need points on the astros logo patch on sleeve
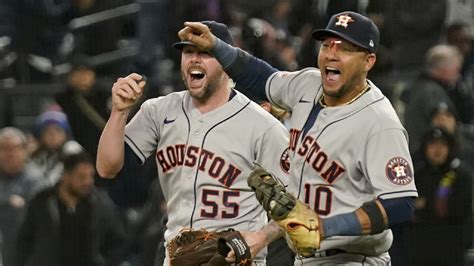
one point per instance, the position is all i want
(285, 161)
(398, 171)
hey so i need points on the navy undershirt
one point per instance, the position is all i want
(311, 119)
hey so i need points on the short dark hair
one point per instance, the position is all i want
(70, 161)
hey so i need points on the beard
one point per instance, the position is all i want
(345, 88)
(339, 93)
(207, 90)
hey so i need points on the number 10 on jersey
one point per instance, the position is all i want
(322, 196)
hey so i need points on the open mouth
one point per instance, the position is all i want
(196, 75)
(332, 73)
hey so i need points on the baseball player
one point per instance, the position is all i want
(206, 141)
(348, 150)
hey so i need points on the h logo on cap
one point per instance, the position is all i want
(352, 27)
(344, 20)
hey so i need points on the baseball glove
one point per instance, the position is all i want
(299, 222)
(201, 247)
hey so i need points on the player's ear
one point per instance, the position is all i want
(370, 59)
(266, 105)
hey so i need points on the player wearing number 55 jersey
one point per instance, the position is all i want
(348, 150)
(206, 141)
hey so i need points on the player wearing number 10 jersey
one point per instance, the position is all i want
(348, 150)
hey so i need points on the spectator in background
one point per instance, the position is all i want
(53, 135)
(87, 107)
(85, 104)
(460, 11)
(433, 86)
(445, 118)
(260, 38)
(19, 180)
(457, 34)
(413, 28)
(443, 209)
(72, 223)
(279, 15)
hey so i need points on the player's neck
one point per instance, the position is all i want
(216, 100)
(326, 101)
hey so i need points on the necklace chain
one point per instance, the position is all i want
(366, 88)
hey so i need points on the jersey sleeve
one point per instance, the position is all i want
(387, 164)
(272, 153)
(142, 133)
(286, 89)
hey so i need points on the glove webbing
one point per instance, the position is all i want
(281, 204)
(271, 194)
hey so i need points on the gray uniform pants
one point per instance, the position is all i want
(347, 259)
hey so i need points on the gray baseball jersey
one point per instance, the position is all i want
(204, 159)
(351, 155)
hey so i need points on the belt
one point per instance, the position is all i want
(328, 253)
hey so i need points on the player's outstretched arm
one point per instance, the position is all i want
(258, 240)
(110, 153)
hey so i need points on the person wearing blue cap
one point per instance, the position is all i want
(53, 134)
(348, 151)
(203, 152)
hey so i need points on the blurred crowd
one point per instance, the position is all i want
(58, 60)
